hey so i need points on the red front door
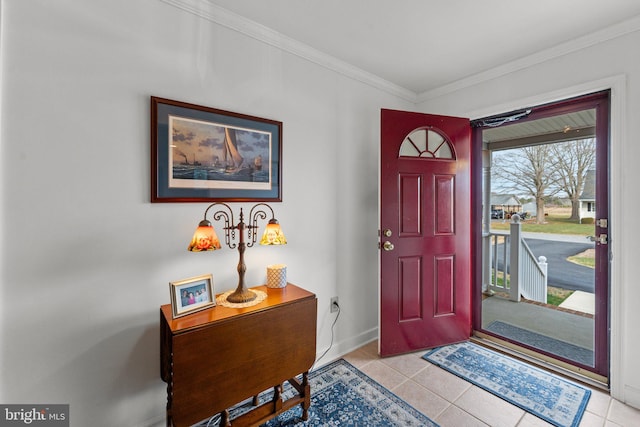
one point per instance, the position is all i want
(425, 236)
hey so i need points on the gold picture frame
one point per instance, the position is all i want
(192, 295)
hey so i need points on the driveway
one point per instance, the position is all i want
(562, 273)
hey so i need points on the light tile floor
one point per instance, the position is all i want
(451, 401)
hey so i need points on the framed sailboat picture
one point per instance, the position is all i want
(202, 154)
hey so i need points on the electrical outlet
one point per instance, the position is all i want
(334, 304)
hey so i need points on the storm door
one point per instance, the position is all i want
(544, 183)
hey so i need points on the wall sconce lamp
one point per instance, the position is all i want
(206, 239)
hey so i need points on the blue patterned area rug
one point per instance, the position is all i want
(543, 342)
(545, 395)
(341, 395)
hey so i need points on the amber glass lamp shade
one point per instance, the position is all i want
(273, 234)
(205, 238)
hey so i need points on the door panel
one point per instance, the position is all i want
(444, 286)
(410, 191)
(444, 204)
(411, 291)
(425, 204)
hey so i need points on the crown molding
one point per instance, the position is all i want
(216, 14)
(609, 33)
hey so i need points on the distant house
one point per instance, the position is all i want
(506, 203)
(587, 199)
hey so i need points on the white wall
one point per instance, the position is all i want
(611, 64)
(86, 258)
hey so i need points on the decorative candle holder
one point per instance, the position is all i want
(276, 276)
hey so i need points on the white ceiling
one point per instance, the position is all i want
(421, 45)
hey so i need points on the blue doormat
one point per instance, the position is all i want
(543, 342)
(341, 395)
(545, 395)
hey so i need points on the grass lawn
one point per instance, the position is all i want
(586, 258)
(555, 224)
(555, 296)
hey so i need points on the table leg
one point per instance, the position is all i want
(224, 419)
(307, 396)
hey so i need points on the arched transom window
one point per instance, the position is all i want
(426, 143)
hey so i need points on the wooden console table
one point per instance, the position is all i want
(219, 357)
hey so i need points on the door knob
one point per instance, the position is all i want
(387, 246)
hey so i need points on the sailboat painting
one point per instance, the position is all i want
(212, 155)
(204, 154)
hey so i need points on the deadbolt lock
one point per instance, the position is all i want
(602, 239)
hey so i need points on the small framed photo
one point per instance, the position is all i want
(202, 154)
(191, 295)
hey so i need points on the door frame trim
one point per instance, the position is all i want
(617, 84)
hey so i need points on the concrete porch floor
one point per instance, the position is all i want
(571, 326)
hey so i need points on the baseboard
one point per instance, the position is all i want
(341, 348)
(632, 396)
(159, 421)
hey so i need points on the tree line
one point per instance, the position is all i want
(543, 171)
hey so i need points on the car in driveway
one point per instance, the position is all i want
(522, 215)
(500, 214)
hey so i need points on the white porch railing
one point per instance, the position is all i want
(512, 268)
